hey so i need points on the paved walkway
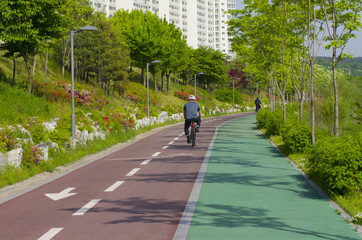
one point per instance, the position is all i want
(251, 192)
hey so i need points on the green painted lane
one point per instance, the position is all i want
(251, 192)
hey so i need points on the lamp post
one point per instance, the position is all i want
(148, 88)
(200, 73)
(233, 92)
(72, 34)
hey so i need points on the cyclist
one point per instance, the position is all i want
(192, 112)
(257, 104)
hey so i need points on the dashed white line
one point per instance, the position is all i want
(86, 207)
(177, 138)
(114, 186)
(131, 173)
(181, 134)
(156, 154)
(172, 142)
(146, 161)
(50, 234)
(164, 147)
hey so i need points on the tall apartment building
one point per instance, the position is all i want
(203, 22)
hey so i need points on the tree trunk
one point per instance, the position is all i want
(28, 69)
(336, 109)
(156, 82)
(168, 76)
(163, 81)
(14, 71)
(144, 78)
(34, 65)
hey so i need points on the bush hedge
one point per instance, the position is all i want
(336, 162)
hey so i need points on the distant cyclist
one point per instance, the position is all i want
(192, 112)
(257, 104)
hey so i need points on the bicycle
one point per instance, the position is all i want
(193, 133)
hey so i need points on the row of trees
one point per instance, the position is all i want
(31, 28)
(280, 41)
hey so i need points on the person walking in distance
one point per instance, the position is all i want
(192, 112)
(257, 104)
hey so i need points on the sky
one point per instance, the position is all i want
(354, 46)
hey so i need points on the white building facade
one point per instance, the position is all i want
(203, 22)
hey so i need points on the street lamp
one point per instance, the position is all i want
(200, 73)
(233, 92)
(148, 91)
(72, 34)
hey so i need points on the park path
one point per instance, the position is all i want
(250, 191)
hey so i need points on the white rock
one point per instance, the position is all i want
(163, 117)
(91, 136)
(14, 157)
(84, 136)
(50, 126)
(54, 146)
(2, 160)
(78, 134)
(45, 150)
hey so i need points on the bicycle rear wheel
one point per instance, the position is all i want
(193, 138)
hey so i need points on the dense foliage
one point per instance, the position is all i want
(334, 162)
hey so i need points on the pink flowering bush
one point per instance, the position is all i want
(31, 156)
(61, 91)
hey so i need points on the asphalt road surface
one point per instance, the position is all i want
(137, 192)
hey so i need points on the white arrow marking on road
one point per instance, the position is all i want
(86, 207)
(50, 234)
(63, 194)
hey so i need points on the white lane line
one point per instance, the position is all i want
(114, 186)
(86, 207)
(172, 142)
(146, 161)
(50, 234)
(181, 134)
(186, 218)
(156, 154)
(177, 138)
(164, 147)
(131, 173)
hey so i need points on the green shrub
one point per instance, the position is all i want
(138, 93)
(296, 136)
(31, 156)
(272, 122)
(7, 140)
(336, 163)
(226, 95)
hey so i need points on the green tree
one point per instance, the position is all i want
(78, 13)
(342, 20)
(27, 27)
(143, 33)
(213, 64)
